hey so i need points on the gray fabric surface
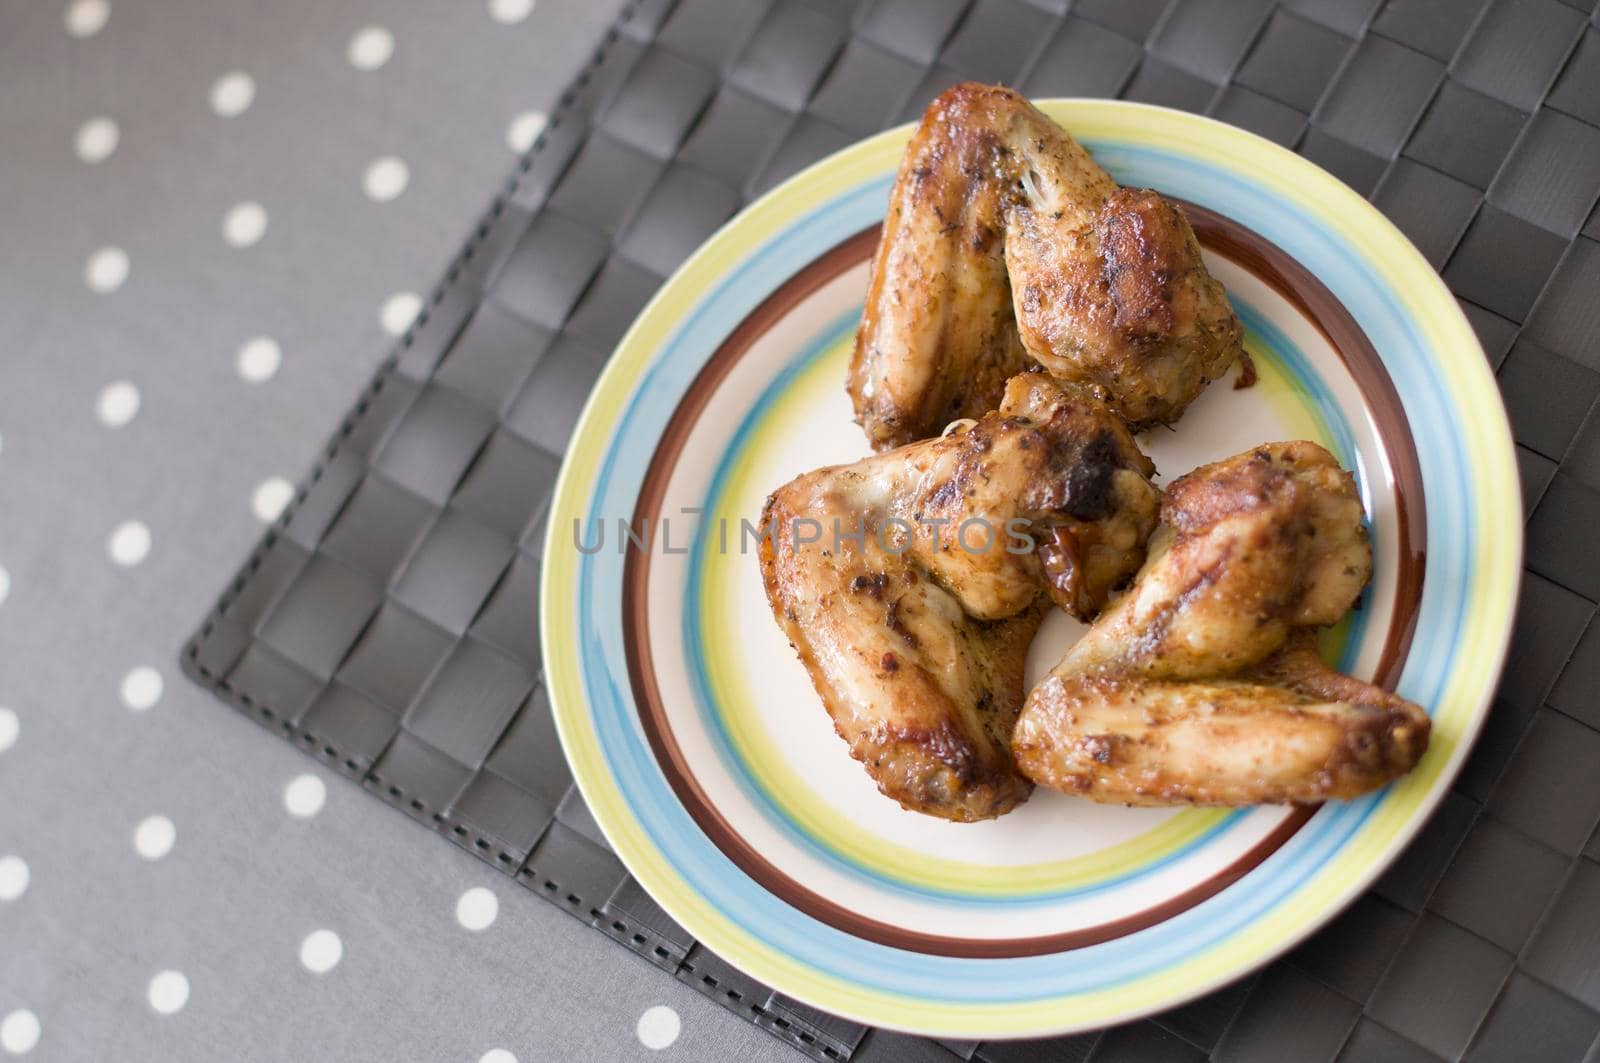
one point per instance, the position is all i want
(245, 881)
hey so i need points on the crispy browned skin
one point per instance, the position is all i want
(938, 338)
(1202, 684)
(917, 643)
(1004, 241)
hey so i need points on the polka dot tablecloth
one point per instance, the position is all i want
(216, 215)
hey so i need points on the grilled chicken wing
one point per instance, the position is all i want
(1202, 684)
(1005, 242)
(912, 582)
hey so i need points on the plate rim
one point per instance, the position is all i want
(781, 972)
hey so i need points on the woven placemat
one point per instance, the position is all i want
(387, 623)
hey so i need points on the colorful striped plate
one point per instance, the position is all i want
(708, 759)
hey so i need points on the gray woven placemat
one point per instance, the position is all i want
(387, 623)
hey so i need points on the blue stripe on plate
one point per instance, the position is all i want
(1450, 495)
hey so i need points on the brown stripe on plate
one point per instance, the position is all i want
(1219, 235)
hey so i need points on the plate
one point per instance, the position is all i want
(707, 757)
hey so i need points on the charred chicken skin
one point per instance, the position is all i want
(1202, 684)
(1006, 244)
(911, 583)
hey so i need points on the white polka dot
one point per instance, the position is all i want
(659, 1027)
(117, 404)
(386, 178)
(477, 908)
(129, 543)
(524, 130)
(304, 795)
(5, 584)
(10, 728)
(497, 1055)
(106, 269)
(169, 992)
(232, 94)
(85, 18)
(244, 224)
(259, 359)
(19, 1032)
(153, 837)
(141, 688)
(321, 951)
(269, 498)
(13, 877)
(96, 140)
(399, 311)
(371, 47)
(509, 11)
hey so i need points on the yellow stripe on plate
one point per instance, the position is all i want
(1496, 524)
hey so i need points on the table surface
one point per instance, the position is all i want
(101, 762)
(214, 215)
